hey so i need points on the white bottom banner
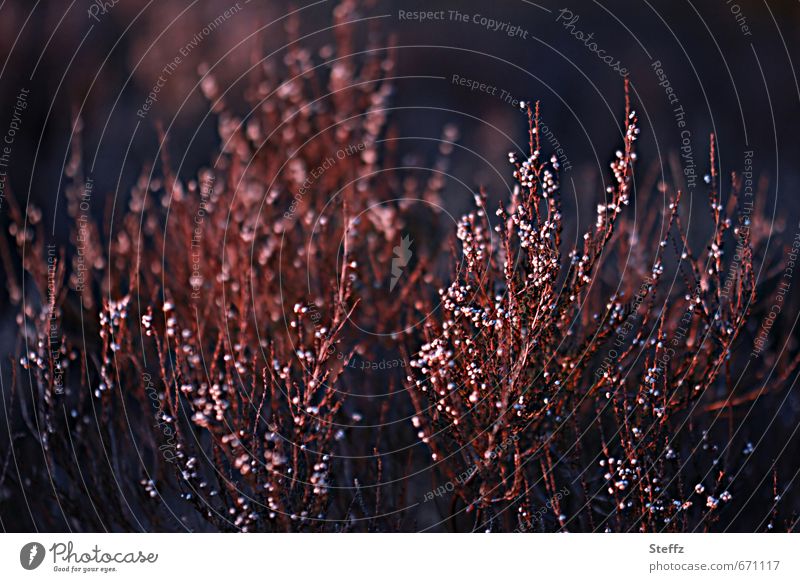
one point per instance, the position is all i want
(426, 557)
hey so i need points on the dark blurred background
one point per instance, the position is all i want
(737, 82)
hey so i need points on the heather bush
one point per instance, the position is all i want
(258, 349)
(598, 389)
